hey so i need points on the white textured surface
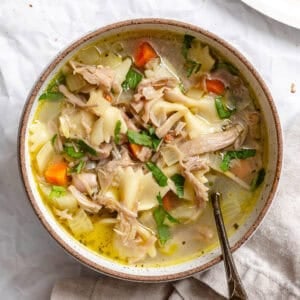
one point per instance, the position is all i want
(30, 261)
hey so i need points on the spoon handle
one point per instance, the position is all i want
(235, 286)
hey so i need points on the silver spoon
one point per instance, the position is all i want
(235, 286)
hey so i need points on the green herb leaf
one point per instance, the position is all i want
(179, 183)
(159, 215)
(158, 175)
(132, 79)
(117, 132)
(55, 82)
(181, 87)
(228, 66)
(192, 67)
(172, 219)
(187, 44)
(163, 232)
(77, 168)
(239, 154)
(53, 139)
(85, 147)
(57, 191)
(143, 139)
(258, 180)
(52, 96)
(159, 199)
(72, 152)
(151, 130)
(222, 110)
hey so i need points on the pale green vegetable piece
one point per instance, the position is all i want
(43, 157)
(80, 223)
(75, 82)
(89, 56)
(122, 70)
(111, 60)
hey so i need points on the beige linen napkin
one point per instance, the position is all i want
(269, 264)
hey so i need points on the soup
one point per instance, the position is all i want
(131, 136)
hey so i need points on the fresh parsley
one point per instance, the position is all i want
(158, 175)
(132, 79)
(51, 96)
(52, 93)
(239, 154)
(187, 44)
(222, 110)
(53, 139)
(77, 148)
(117, 132)
(160, 215)
(147, 139)
(78, 167)
(57, 191)
(179, 183)
(192, 67)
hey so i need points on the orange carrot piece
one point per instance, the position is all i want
(168, 138)
(170, 201)
(135, 149)
(143, 54)
(57, 173)
(215, 86)
(107, 97)
(242, 168)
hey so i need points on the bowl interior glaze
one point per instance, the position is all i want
(188, 268)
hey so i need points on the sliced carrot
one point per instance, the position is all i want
(135, 149)
(215, 86)
(242, 168)
(143, 54)
(107, 97)
(170, 201)
(57, 173)
(168, 138)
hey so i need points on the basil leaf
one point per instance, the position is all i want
(57, 191)
(132, 79)
(258, 180)
(86, 148)
(179, 183)
(222, 110)
(117, 132)
(239, 154)
(52, 96)
(143, 139)
(158, 175)
(163, 232)
(187, 44)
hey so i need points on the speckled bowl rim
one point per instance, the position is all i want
(22, 139)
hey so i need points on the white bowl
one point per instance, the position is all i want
(154, 274)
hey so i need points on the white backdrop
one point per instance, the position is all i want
(31, 34)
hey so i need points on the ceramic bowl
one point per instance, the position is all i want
(175, 272)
